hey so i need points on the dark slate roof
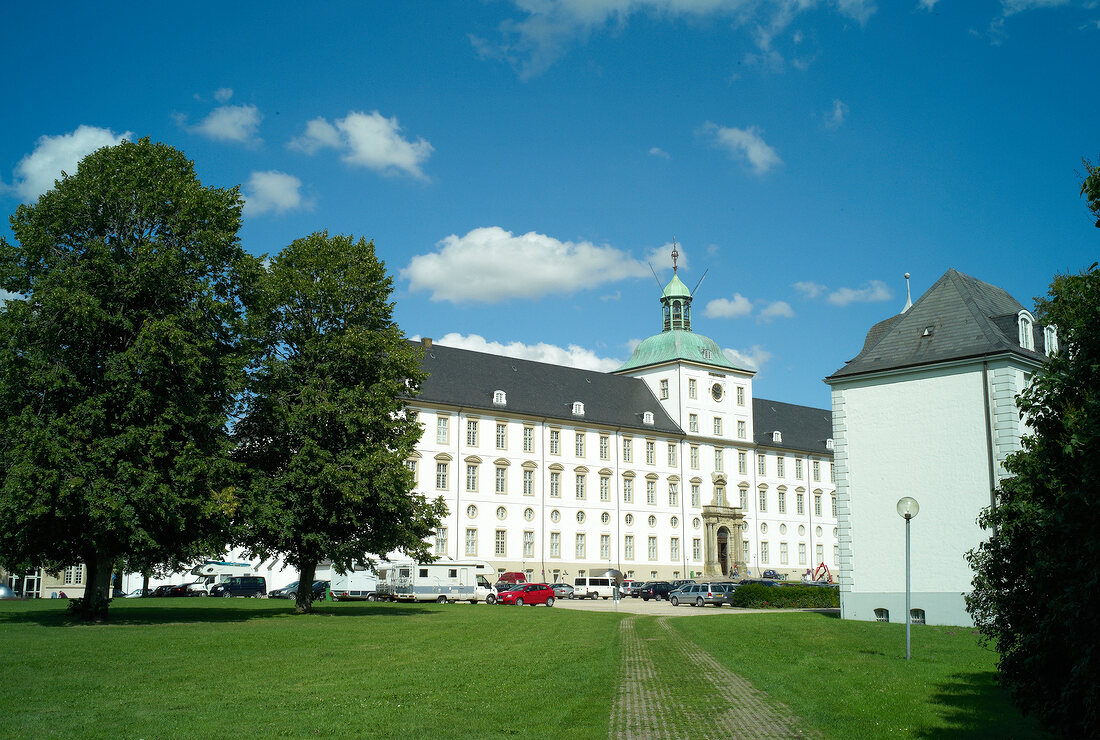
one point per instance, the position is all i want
(959, 317)
(461, 377)
(803, 428)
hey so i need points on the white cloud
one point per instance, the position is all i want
(489, 265)
(809, 289)
(1011, 7)
(36, 172)
(874, 290)
(776, 310)
(927, 4)
(661, 257)
(834, 119)
(753, 358)
(231, 123)
(366, 140)
(273, 191)
(573, 356)
(223, 94)
(727, 308)
(743, 143)
(547, 28)
(657, 151)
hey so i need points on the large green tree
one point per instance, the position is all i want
(1036, 594)
(325, 437)
(118, 365)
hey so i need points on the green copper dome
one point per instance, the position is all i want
(676, 288)
(677, 344)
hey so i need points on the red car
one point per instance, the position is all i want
(532, 593)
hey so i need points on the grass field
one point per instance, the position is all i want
(169, 668)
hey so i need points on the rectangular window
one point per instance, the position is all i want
(471, 477)
(471, 541)
(580, 545)
(605, 546)
(742, 463)
(782, 502)
(501, 480)
(761, 464)
(798, 468)
(744, 498)
(801, 553)
(672, 454)
(664, 390)
(742, 431)
(528, 544)
(800, 503)
(69, 575)
(605, 488)
(441, 476)
(605, 453)
(578, 444)
(693, 422)
(693, 389)
(720, 495)
(555, 544)
(628, 491)
(651, 492)
(763, 500)
(832, 473)
(555, 442)
(696, 549)
(719, 458)
(650, 452)
(817, 471)
(441, 541)
(694, 494)
(652, 548)
(817, 505)
(781, 466)
(500, 545)
(411, 465)
(782, 553)
(502, 436)
(765, 556)
(718, 426)
(673, 495)
(836, 554)
(78, 574)
(580, 485)
(833, 498)
(674, 549)
(740, 395)
(820, 550)
(528, 482)
(528, 439)
(694, 457)
(471, 432)
(441, 425)
(628, 547)
(555, 484)
(745, 550)
(628, 449)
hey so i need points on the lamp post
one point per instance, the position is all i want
(907, 509)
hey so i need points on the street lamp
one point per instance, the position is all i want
(907, 509)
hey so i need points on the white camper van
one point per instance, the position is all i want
(213, 572)
(358, 584)
(441, 581)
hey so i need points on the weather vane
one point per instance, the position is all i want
(675, 254)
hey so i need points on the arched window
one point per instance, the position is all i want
(916, 616)
(647, 418)
(1050, 339)
(882, 615)
(1027, 336)
(499, 398)
(578, 408)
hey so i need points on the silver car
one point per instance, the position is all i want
(699, 594)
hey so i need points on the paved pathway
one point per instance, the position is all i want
(669, 687)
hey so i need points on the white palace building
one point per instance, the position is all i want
(665, 468)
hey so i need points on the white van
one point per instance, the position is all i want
(441, 581)
(212, 572)
(593, 588)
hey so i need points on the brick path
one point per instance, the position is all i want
(669, 687)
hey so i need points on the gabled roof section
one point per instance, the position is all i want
(959, 317)
(460, 377)
(804, 428)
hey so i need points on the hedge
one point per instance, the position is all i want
(759, 596)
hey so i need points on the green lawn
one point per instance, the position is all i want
(246, 668)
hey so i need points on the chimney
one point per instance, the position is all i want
(426, 341)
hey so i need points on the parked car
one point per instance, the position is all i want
(138, 592)
(562, 590)
(530, 593)
(656, 590)
(699, 594)
(290, 591)
(180, 590)
(636, 590)
(761, 581)
(162, 590)
(627, 586)
(241, 586)
(774, 575)
(282, 593)
(681, 582)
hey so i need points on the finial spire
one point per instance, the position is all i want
(908, 297)
(675, 254)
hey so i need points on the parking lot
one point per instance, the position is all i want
(661, 608)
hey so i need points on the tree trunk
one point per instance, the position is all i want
(304, 604)
(144, 584)
(93, 607)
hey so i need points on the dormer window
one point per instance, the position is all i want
(500, 398)
(647, 418)
(1027, 337)
(578, 408)
(829, 443)
(1050, 339)
(777, 437)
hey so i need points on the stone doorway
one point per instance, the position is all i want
(724, 550)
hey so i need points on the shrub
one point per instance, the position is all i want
(759, 596)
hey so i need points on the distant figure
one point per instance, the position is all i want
(62, 595)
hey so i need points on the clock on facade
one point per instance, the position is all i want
(716, 391)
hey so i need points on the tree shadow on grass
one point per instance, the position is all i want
(203, 612)
(973, 705)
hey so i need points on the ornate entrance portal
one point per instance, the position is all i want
(722, 544)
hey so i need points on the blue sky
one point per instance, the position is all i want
(520, 164)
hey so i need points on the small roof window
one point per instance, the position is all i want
(500, 398)
(777, 436)
(578, 408)
(647, 418)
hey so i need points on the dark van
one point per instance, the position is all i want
(241, 586)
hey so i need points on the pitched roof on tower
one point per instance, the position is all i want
(959, 317)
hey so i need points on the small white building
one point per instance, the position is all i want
(928, 410)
